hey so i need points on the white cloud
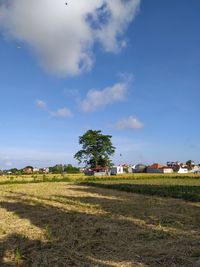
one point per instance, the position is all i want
(62, 113)
(40, 104)
(96, 99)
(62, 36)
(129, 123)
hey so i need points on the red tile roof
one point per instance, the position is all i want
(156, 166)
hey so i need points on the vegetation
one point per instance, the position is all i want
(96, 149)
(39, 178)
(190, 163)
(57, 169)
(177, 186)
(191, 193)
(62, 224)
(28, 167)
(64, 168)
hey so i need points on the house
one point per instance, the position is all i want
(116, 170)
(157, 168)
(180, 167)
(195, 169)
(139, 168)
(182, 170)
(82, 170)
(130, 169)
(36, 169)
(97, 171)
(44, 170)
(28, 170)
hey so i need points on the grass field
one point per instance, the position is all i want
(58, 221)
(187, 188)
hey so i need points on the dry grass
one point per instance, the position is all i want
(57, 224)
(152, 177)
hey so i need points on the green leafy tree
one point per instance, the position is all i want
(190, 163)
(96, 149)
(14, 171)
(58, 168)
(70, 169)
(28, 167)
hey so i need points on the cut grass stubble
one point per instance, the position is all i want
(62, 224)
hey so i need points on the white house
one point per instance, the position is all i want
(167, 170)
(46, 170)
(130, 169)
(182, 170)
(116, 170)
(195, 169)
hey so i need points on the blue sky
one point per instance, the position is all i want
(130, 69)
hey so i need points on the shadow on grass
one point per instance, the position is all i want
(73, 239)
(85, 238)
(191, 193)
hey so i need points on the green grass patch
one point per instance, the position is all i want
(185, 192)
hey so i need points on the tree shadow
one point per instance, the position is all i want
(181, 218)
(73, 239)
(84, 238)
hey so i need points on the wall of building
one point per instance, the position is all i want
(151, 170)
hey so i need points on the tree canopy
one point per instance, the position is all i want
(190, 163)
(59, 168)
(96, 149)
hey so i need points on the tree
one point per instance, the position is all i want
(70, 169)
(28, 167)
(14, 171)
(190, 163)
(58, 168)
(96, 149)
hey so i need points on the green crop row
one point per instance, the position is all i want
(185, 192)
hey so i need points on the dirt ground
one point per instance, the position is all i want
(57, 224)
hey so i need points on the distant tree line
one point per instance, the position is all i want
(57, 169)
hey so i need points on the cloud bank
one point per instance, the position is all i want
(63, 36)
(96, 99)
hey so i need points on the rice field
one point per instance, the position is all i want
(59, 221)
